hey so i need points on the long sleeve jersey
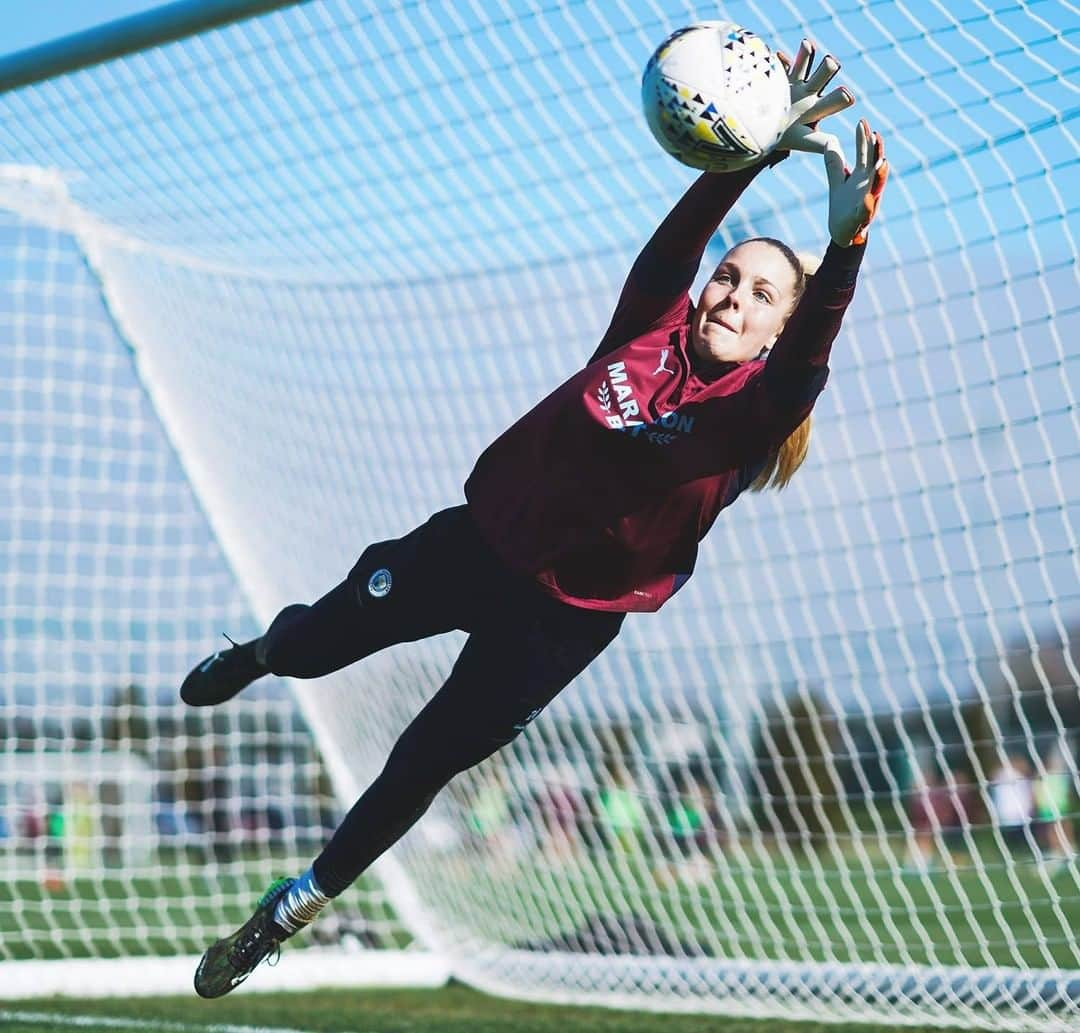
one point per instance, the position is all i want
(603, 491)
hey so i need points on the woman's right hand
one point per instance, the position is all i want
(808, 106)
(855, 194)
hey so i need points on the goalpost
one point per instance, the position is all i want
(271, 285)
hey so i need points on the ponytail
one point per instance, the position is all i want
(781, 465)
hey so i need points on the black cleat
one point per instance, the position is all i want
(222, 676)
(227, 963)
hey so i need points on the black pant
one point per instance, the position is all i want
(523, 648)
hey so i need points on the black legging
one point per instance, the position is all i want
(523, 648)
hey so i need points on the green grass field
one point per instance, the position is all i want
(993, 916)
(453, 1009)
(111, 916)
(996, 916)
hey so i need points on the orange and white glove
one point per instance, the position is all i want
(855, 194)
(808, 106)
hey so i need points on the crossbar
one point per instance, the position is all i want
(128, 35)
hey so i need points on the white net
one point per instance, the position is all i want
(129, 825)
(349, 244)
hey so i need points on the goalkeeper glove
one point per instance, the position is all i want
(854, 195)
(808, 106)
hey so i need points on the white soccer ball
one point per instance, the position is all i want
(715, 96)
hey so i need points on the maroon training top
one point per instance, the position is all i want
(603, 490)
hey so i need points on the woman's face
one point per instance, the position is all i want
(744, 306)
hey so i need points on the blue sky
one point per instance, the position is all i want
(25, 25)
(400, 204)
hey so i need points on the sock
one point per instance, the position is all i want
(301, 904)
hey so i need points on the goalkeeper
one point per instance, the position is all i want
(589, 507)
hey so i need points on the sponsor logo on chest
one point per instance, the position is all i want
(616, 392)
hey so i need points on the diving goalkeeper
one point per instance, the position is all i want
(590, 507)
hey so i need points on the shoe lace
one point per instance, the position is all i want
(245, 949)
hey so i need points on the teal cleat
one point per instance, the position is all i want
(227, 963)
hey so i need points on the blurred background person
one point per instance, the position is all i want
(1012, 800)
(1053, 796)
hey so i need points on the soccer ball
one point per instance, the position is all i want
(715, 96)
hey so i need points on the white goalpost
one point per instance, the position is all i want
(269, 289)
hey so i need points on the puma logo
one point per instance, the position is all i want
(207, 664)
(662, 368)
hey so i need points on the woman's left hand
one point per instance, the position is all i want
(808, 106)
(855, 194)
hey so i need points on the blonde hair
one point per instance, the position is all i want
(781, 465)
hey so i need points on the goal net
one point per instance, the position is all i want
(130, 826)
(272, 288)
